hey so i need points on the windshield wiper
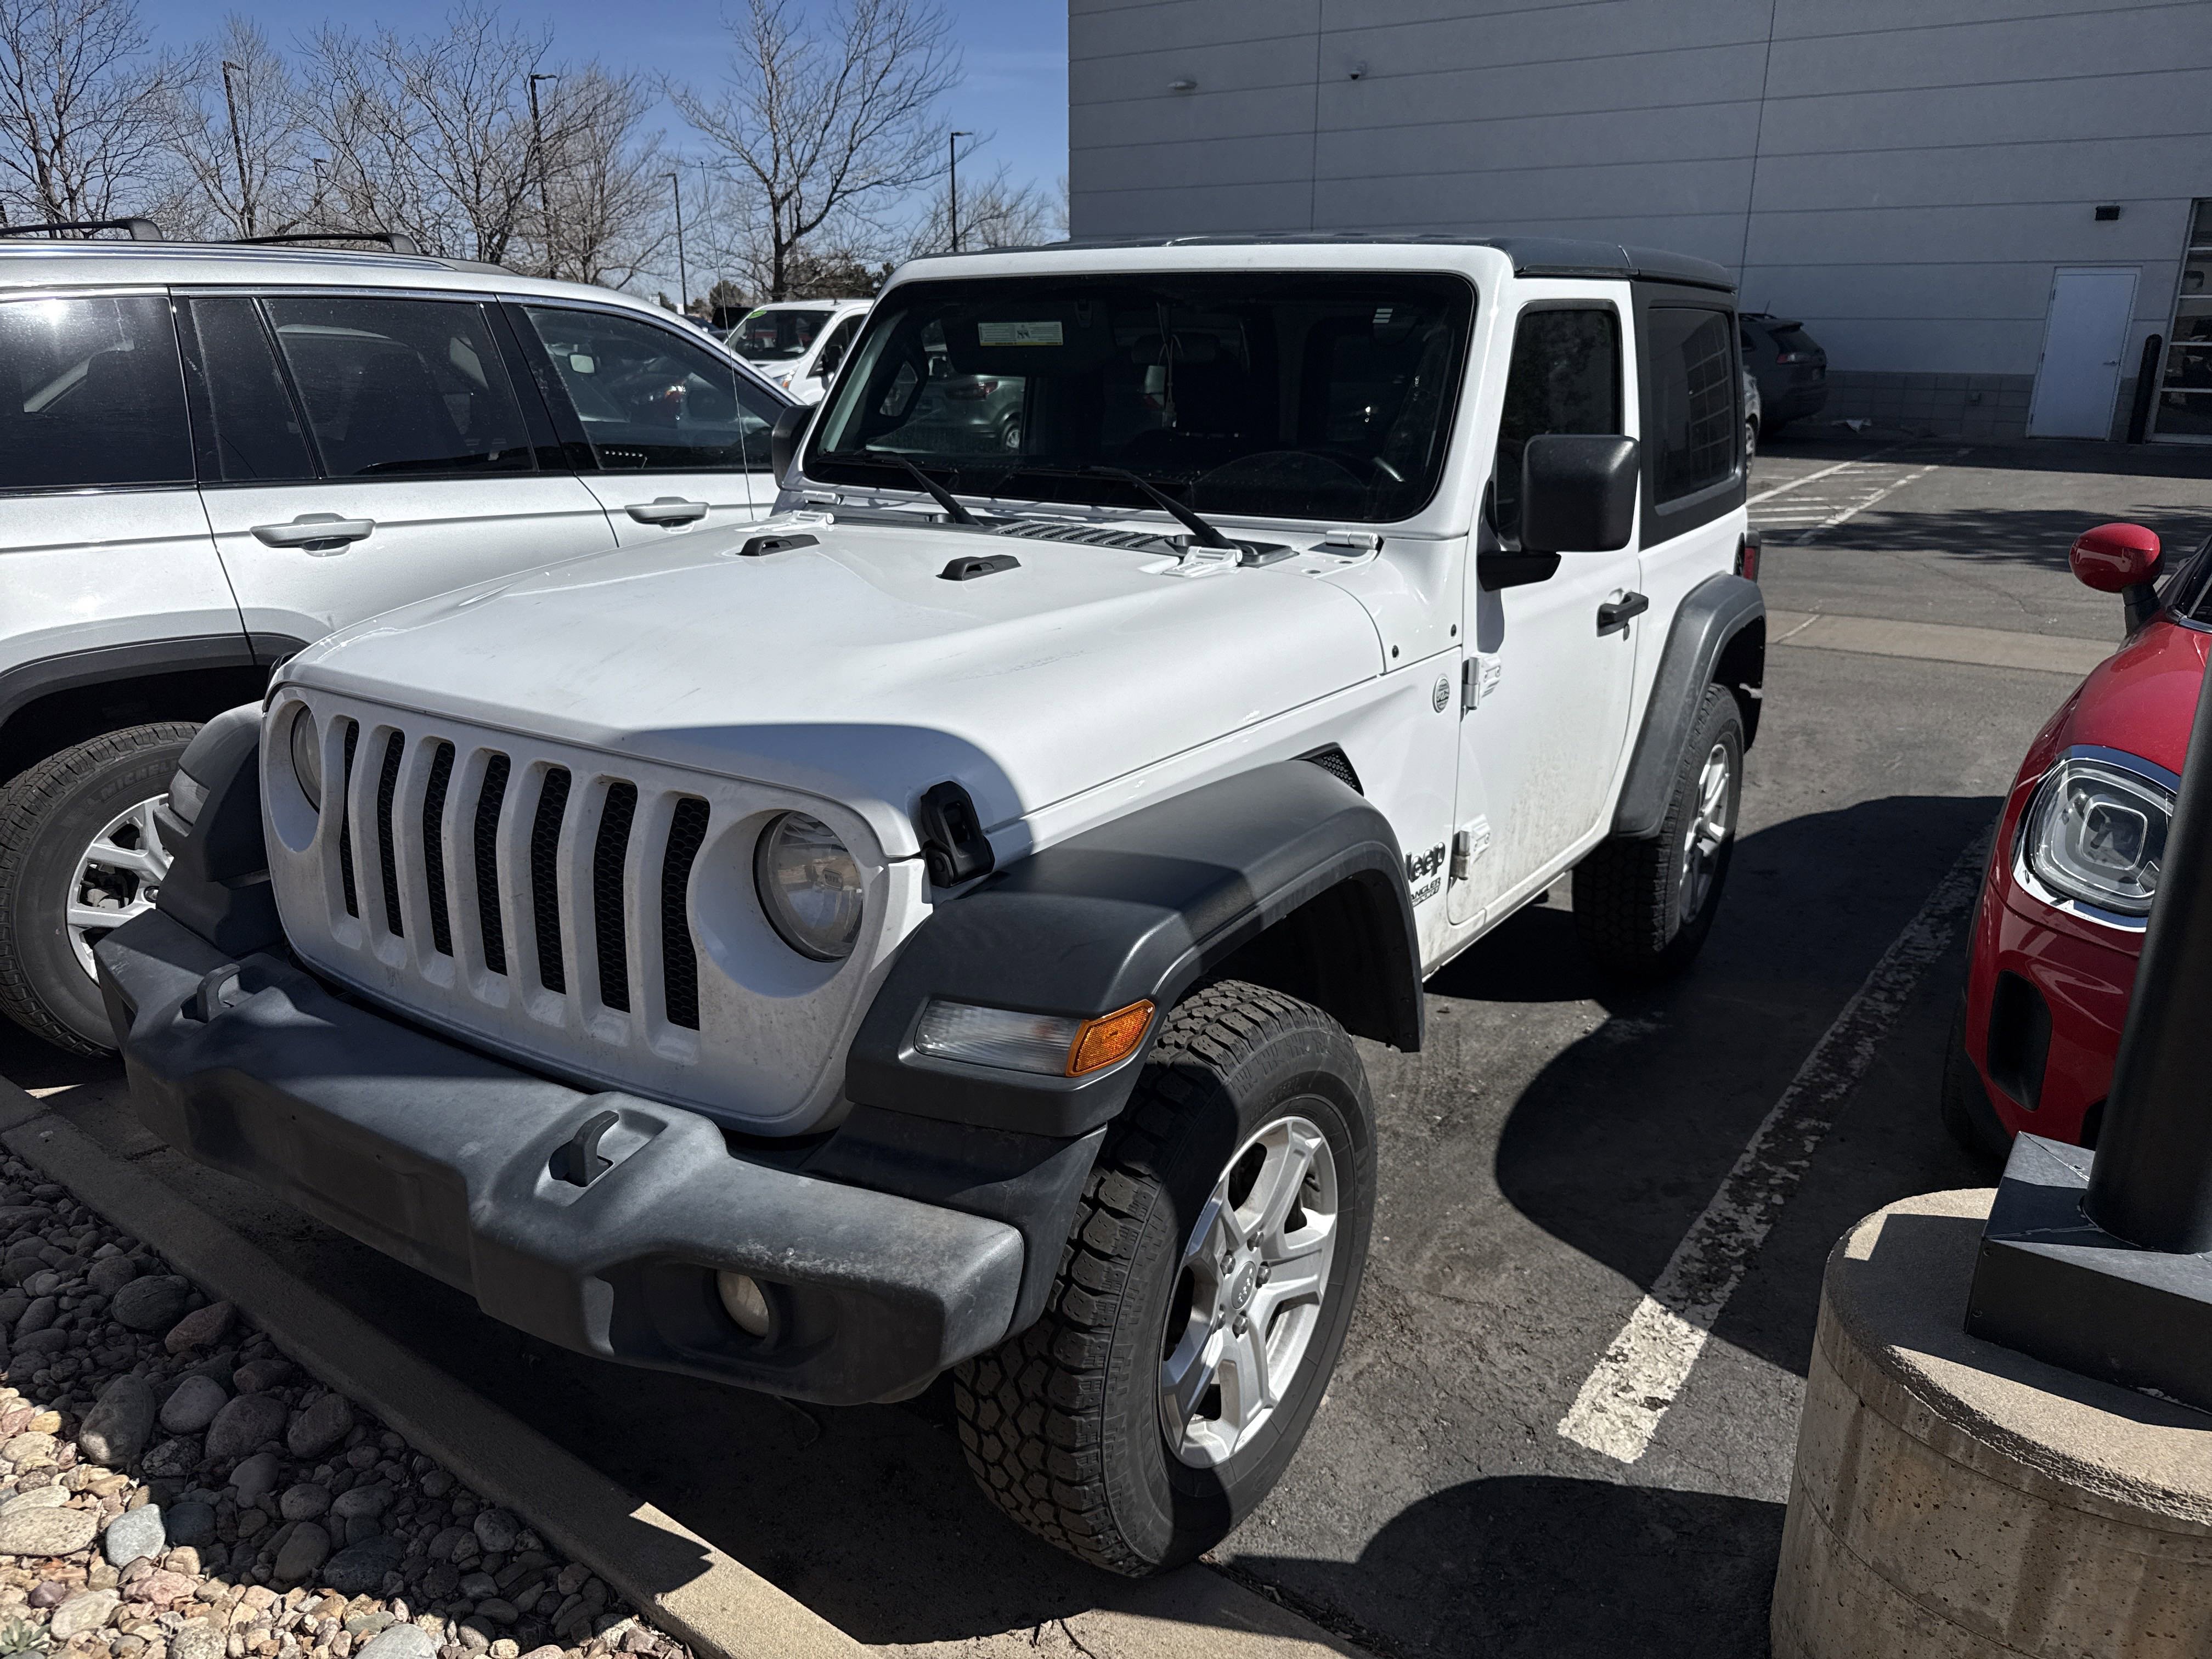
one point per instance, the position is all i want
(936, 491)
(1204, 533)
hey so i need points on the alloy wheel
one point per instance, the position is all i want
(1248, 1292)
(118, 876)
(1707, 834)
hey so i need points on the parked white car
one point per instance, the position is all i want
(211, 455)
(926, 931)
(798, 344)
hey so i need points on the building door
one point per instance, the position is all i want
(2183, 411)
(2079, 379)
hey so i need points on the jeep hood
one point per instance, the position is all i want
(852, 669)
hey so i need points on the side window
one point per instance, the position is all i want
(243, 420)
(1696, 436)
(651, 400)
(1564, 377)
(395, 386)
(834, 348)
(90, 394)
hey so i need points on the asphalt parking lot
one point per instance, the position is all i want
(1467, 1488)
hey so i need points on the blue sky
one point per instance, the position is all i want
(1016, 52)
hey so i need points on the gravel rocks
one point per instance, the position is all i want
(48, 1532)
(115, 1430)
(191, 1406)
(244, 1424)
(248, 1512)
(148, 1304)
(134, 1533)
(320, 1426)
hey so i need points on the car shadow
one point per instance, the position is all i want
(1620, 1141)
(1552, 1568)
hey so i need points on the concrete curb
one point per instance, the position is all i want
(680, 1582)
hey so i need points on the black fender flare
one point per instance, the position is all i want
(1142, 907)
(1713, 616)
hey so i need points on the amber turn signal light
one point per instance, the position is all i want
(1108, 1038)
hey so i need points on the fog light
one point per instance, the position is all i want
(1051, 1045)
(743, 1300)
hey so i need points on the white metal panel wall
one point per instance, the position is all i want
(1904, 174)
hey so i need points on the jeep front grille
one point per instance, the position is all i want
(525, 853)
(586, 914)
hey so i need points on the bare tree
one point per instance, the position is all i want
(995, 212)
(827, 122)
(261, 178)
(82, 109)
(601, 219)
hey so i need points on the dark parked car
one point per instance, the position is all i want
(1791, 369)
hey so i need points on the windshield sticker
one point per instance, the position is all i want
(1019, 334)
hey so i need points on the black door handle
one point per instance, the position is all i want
(1615, 613)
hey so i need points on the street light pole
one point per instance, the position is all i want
(537, 158)
(237, 146)
(683, 271)
(952, 183)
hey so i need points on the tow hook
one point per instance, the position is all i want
(577, 1159)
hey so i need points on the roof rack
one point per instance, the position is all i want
(142, 230)
(398, 241)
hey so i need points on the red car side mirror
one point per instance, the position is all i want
(2114, 557)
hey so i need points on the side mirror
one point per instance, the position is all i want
(783, 442)
(2114, 557)
(1577, 493)
(2122, 559)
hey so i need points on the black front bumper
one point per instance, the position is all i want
(451, 1162)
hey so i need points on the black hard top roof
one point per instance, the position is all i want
(1532, 256)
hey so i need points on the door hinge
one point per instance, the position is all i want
(1468, 845)
(1479, 676)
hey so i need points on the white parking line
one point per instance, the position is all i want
(1641, 1375)
(1798, 483)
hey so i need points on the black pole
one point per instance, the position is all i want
(2146, 387)
(2152, 1181)
(952, 185)
(537, 157)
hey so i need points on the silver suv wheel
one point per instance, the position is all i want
(1248, 1292)
(1710, 820)
(118, 876)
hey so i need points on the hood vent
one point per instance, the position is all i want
(1043, 530)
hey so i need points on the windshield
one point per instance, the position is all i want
(1326, 395)
(777, 337)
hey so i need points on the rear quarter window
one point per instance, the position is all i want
(91, 394)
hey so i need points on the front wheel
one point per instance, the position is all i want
(81, 854)
(1203, 1298)
(1644, 904)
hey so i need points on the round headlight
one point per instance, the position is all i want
(306, 748)
(809, 886)
(2096, 834)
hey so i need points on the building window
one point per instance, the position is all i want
(2184, 410)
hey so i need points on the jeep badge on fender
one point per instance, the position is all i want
(874, 940)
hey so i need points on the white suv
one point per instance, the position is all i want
(799, 344)
(212, 454)
(927, 930)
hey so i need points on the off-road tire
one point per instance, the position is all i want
(1060, 1423)
(1628, 890)
(1964, 1103)
(48, 816)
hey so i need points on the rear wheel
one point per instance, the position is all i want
(1750, 441)
(1644, 904)
(80, 854)
(1203, 1297)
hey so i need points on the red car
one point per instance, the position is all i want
(2076, 863)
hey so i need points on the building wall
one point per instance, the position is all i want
(1904, 175)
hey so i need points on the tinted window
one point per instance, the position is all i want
(1695, 433)
(1323, 395)
(242, 416)
(1566, 377)
(90, 394)
(777, 337)
(651, 400)
(401, 386)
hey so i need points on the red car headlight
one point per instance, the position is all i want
(2094, 837)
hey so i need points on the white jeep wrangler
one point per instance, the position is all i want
(921, 930)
